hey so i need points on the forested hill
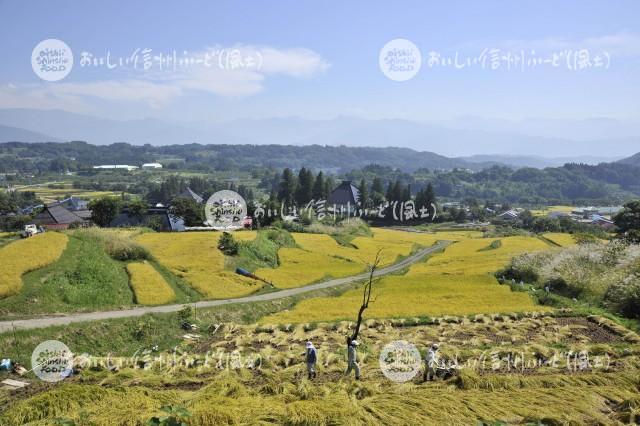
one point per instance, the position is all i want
(606, 183)
(18, 156)
(451, 177)
(634, 160)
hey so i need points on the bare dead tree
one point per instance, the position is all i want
(366, 295)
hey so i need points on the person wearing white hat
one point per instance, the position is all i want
(351, 358)
(431, 361)
(311, 359)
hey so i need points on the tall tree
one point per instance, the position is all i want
(287, 188)
(628, 221)
(104, 210)
(377, 191)
(189, 210)
(364, 194)
(318, 192)
(304, 192)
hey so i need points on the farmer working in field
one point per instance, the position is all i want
(431, 361)
(351, 358)
(311, 358)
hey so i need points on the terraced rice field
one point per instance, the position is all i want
(299, 267)
(458, 281)
(320, 256)
(22, 256)
(47, 194)
(149, 287)
(561, 239)
(194, 256)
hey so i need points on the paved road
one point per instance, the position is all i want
(139, 311)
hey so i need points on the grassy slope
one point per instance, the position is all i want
(85, 278)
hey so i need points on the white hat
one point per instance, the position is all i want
(354, 342)
(309, 345)
(435, 346)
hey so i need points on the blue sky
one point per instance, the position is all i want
(321, 58)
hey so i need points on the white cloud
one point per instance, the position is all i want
(299, 63)
(158, 88)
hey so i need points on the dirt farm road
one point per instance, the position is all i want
(42, 322)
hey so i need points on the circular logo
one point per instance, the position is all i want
(400, 361)
(52, 59)
(225, 210)
(52, 361)
(400, 60)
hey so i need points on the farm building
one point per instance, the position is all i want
(148, 166)
(509, 215)
(57, 217)
(73, 203)
(345, 196)
(115, 166)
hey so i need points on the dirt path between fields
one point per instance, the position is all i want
(43, 322)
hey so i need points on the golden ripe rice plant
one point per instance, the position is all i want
(26, 255)
(149, 287)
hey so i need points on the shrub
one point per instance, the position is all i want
(228, 245)
(624, 296)
(117, 243)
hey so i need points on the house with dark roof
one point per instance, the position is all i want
(509, 215)
(56, 216)
(345, 197)
(73, 203)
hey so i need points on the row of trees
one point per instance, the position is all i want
(300, 189)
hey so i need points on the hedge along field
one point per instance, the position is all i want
(194, 256)
(456, 282)
(148, 285)
(561, 239)
(26, 255)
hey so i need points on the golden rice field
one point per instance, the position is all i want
(194, 256)
(552, 209)
(149, 287)
(559, 238)
(299, 267)
(51, 194)
(456, 282)
(22, 256)
(275, 390)
(320, 256)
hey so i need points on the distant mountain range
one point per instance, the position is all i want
(8, 133)
(634, 160)
(468, 138)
